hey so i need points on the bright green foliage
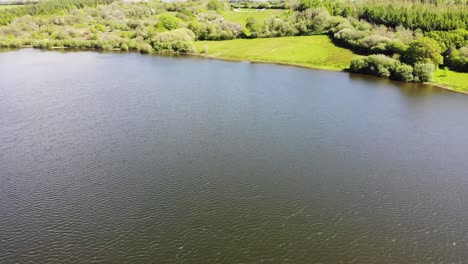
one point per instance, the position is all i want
(424, 50)
(454, 80)
(252, 24)
(215, 5)
(449, 39)
(100, 27)
(382, 66)
(167, 22)
(404, 73)
(457, 59)
(414, 14)
(181, 34)
(195, 26)
(47, 7)
(423, 72)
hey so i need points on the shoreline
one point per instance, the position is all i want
(438, 85)
(194, 54)
(262, 62)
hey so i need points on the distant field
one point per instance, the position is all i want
(8, 6)
(241, 17)
(456, 80)
(310, 51)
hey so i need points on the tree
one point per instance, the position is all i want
(423, 50)
(215, 5)
(167, 22)
(404, 73)
(458, 59)
(252, 25)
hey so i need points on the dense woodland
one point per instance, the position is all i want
(405, 40)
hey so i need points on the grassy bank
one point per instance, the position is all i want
(309, 51)
(457, 81)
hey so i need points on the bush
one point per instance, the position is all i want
(458, 59)
(215, 5)
(423, 72)
(60, 35)
(174, 46)
(219, 29)
(181, 34)
(383, 71)
(124, 47)
(195, 27)
(404, 73)
(358, 65)
(100, 27)
(145, 48)
(167, 22)
(383, 66)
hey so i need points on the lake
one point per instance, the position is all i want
(126, 158)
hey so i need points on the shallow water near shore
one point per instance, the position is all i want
(112, 158)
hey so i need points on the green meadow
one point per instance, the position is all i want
(241, 17)
(457, 81)
(309, 51)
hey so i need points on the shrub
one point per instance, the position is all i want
(145, 48)
(423, 72)
(458, 59)
(100, 27)
(404, 73)
(195, 27)
(383, 66)
(215, 5)
(167, 22)
(181, 34)
(383, 71)
(358, 65)
(60, 35)
(124, 47)
(174, 46)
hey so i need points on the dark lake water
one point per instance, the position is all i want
(125, 158)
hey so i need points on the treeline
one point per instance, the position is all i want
(47, 7)
(424, 15)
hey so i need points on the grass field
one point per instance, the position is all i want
(241, 17)
(456, 80)
(310, 51)
(8, 6)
